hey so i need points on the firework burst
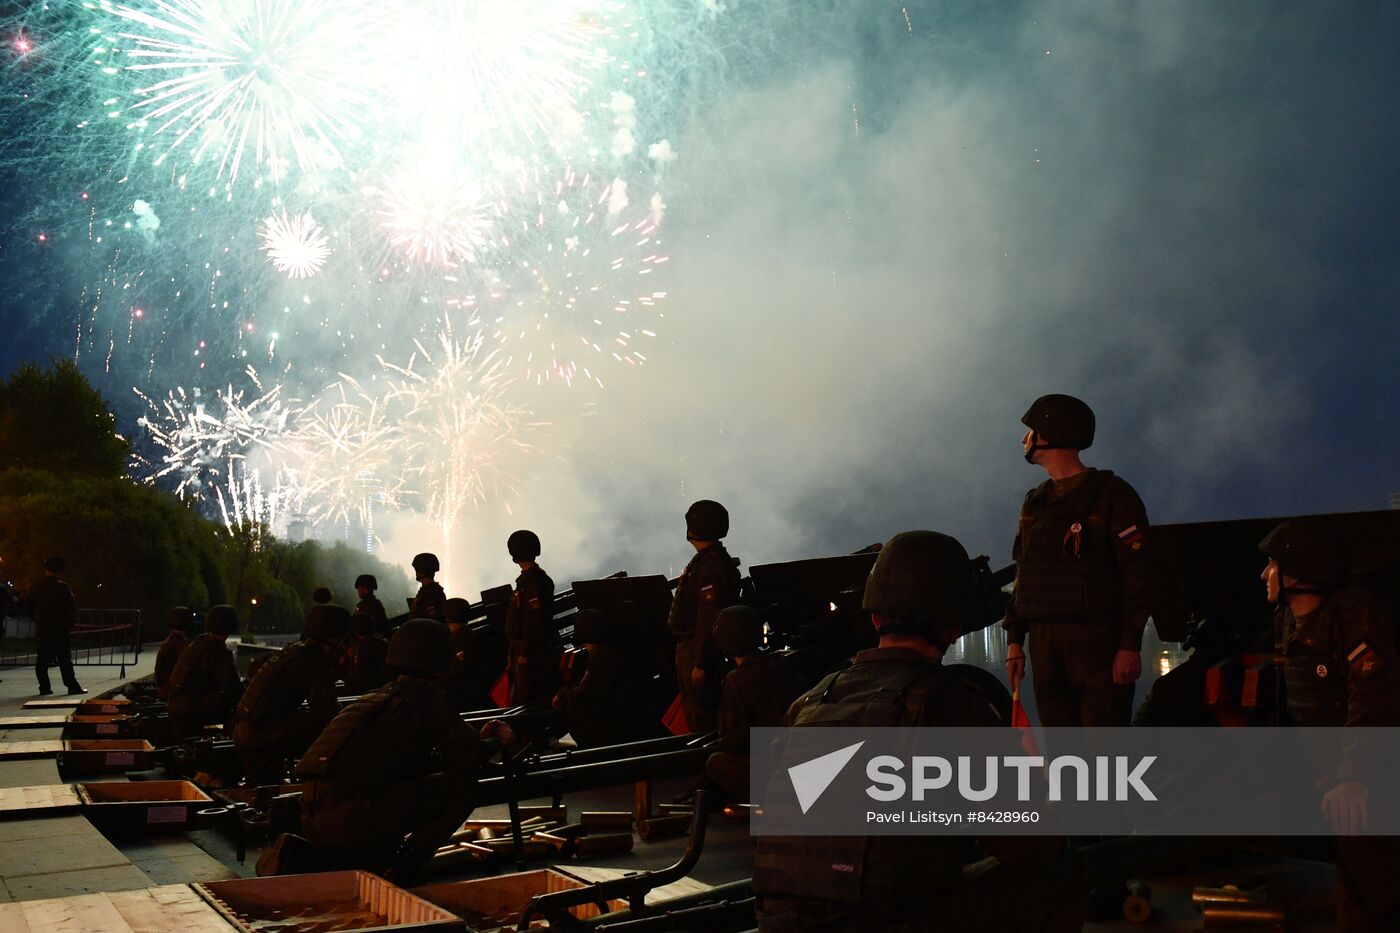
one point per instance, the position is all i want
(295, 244)
(274, 79)
(434, 212)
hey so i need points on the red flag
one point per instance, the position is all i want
(1021, 720)
(500, 691)
(674, 720)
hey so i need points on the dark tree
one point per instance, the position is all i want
(55, 421)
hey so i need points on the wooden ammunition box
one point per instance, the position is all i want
(104, 726)
(106, 756)
(496, 903)
(142, 806)
(336, 900)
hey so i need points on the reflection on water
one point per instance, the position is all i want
(987, 649)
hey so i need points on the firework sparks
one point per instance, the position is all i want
(459, 425)
(274, 77)
(434, 213)
(295, 244)
(199, 438)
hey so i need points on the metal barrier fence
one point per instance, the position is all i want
(101, 638)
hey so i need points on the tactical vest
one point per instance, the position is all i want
(1066, 565)
(194, 674)
(281, 683)
(686, 603)
(322, 759)
(516, 611)
(859, 869)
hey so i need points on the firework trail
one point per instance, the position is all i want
(346, 456)
(459, 427)
(295, 244)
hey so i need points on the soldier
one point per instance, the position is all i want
(54, 613)
(362, 665)
(365, 585)
(321, 596)
(178, 621)
(1081, 576)
(709, 583)
(269, 725)
(431, 601)
(373, 795)
(530, 631)
(1337, 645)
(757, 693)
(920, 594)
(467, 684)
(204, 687)
(600, 705)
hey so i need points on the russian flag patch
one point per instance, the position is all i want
(1131, 537)
(1363, 659)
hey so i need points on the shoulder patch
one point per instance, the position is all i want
(534, 602)
(1363, 659)
(1131, 538)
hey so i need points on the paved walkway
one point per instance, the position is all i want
(63, 855)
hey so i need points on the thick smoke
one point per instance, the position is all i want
(885, 252)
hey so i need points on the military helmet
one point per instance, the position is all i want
(706, 520)
(367, 581)
(590, 627)
(420, 646)
(54, 565)
(1061, 421)
(326, 622)
(1307, 553)
(738, 631)
(221, 620)
(321, 596)
(426, 563)
(523, 545)
(922, 574)
(361, 623)
(178, 618)
(457, 610)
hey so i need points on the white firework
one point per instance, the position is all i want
(276, 80)
(434, 212)
(295, 244)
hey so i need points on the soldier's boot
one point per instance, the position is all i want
(288, 855)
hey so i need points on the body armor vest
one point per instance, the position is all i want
(322, 758)
(858, 869)
(282, 682)
(686, 603)
(1066, 567)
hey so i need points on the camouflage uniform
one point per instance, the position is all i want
(362, 665)
(430, 603)
(1341, 669)
(54, 612)
(1082, 589)
(709, 583)
(756, 694)
(898, 883)
(166, 659)
(599, 707)
(373, 779)
(531, 636)
(270, 725)
(204, 686)
(372, 607)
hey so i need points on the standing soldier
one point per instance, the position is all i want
(431, 601)
(530, 631)
(1337, 645)
(178, 621)
(204, 687)
(463, 680)
(756, 694)
(362, 664)
(54, 613)
(709, 583)
(392, 777)
(1081, 576)
(365, 585)
(270, 724)
(921, 593)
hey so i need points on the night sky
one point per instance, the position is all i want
(892, 227)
